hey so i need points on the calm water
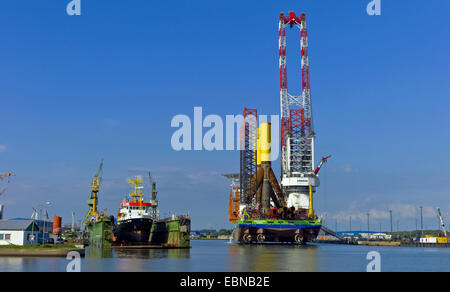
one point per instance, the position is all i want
(221, 256)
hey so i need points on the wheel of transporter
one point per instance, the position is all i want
(261, 238)
(247, 238)
(298, 238)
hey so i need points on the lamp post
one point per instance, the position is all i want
(392, 228)
(421, 219)
(42, 204)
(33, 217)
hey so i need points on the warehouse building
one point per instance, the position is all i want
(18, 232)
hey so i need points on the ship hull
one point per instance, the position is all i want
(133, 231)
(280, 231)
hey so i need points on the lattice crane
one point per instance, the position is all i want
(298, 177)
(92, 202)
(153, 194)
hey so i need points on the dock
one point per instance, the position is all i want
(38, 252)
(379, 243)
(151, 246)
(419, 244)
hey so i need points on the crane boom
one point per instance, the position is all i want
(442, 222)
(2, 176)
(92, 202)
(100, 172)
(324, 159)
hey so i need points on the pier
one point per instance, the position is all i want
(38, 252)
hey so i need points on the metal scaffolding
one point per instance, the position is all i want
(297, 135)
(248, 156)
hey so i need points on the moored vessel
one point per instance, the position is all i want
(262, 208)
(135, 217)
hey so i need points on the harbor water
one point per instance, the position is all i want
(222, 256)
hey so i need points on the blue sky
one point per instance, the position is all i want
(106, 85)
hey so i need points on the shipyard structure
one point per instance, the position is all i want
(262, 208)
(137, 223)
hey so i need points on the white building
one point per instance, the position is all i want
(428, 240)
(380, 236)
(18, 232)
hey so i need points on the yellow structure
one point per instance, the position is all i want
(92, 202)
(311, 213)
(439, 239)
(258, 148)
(264, 144)
(442, 239)
(137, 195)
(95, 187)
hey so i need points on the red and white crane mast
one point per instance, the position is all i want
(298, 177)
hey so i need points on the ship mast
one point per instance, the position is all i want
(137, 195)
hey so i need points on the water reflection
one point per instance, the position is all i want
(27, 264)
(136, 260)
(14, 264)
(152, 253)
(152, 259)
(99, 253)
(273, 257)
(220, 256)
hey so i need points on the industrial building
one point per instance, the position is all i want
(18, 232)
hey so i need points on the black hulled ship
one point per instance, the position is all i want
(135, 218)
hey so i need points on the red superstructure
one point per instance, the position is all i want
(135, 204)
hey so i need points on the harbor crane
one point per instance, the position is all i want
(298, 177)
(442, 223)
(92, 202)
(153, 194)
(3, 176)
